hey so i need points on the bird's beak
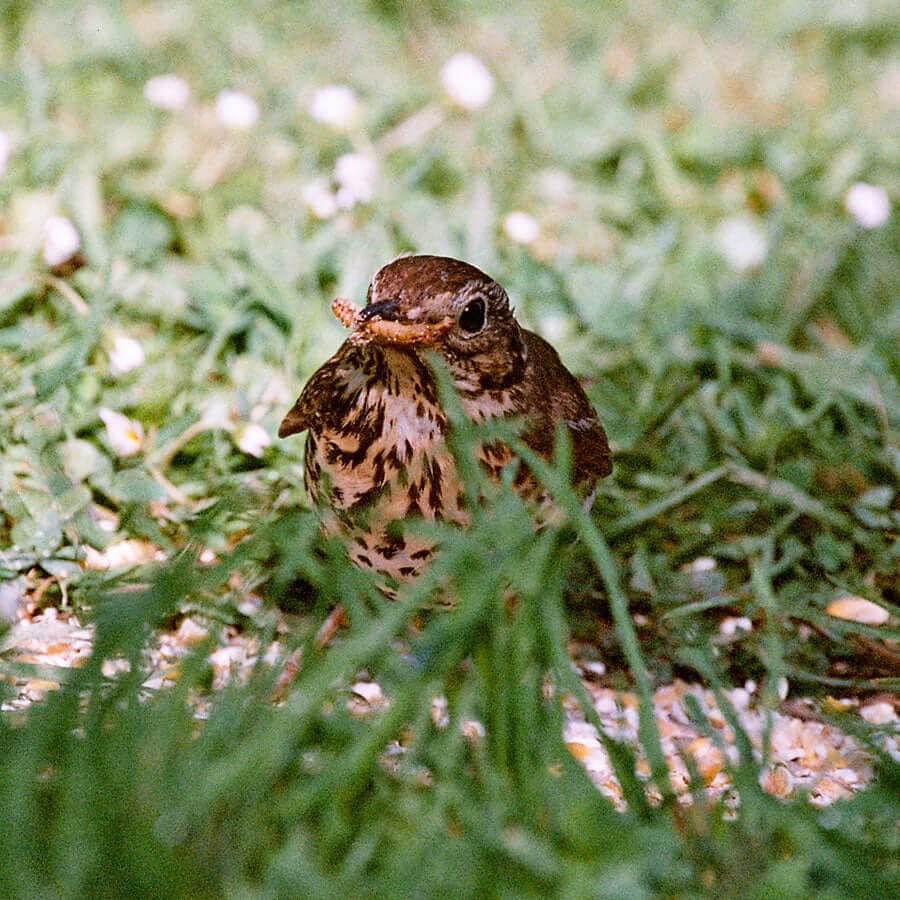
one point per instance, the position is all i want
(385, 310)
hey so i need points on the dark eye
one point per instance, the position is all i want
(472, 318)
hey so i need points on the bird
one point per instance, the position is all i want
(376, 454)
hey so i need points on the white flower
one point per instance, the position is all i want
(521, 227)
(355, 175)
(731, 625)
(742, 242)
(253, 439)
(701, 564)
(467, 81)
(345, 198)
(126, 354)
(125, 435)
(868, 204)
(61, 241)
(319, 199)
(5, 147)
(167, 92)
(334, 105)
(237, 110)
(783, 687)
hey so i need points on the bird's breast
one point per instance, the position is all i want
(383, 460)
(385, 450)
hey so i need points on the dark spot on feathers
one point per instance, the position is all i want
(364, 498)
(392, 545)
(434, 484)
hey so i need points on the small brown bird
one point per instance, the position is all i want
(375, 453)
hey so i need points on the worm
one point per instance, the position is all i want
(345, 311)
(387, 331)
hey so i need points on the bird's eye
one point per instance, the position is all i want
(472, 318)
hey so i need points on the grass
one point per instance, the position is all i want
(754, 417)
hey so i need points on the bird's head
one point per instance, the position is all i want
(442, 304)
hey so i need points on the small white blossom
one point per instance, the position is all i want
(467, 81)
(521, 227)
(869, 204)
(783, 687)
(335, 105)
(253, 439)
(237, 110)
(125, 435)
(701, 564)
(5, 148)
(344, 198)
(126, 354)
(167, 92)
(594, 667)
(319, 199)
(731, 625)
(742, 241)
(355, 173)
(61, 240)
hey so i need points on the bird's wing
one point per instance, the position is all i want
(590, 448)
(565, 401)
(316, 403)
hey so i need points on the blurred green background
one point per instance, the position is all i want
(691, 200)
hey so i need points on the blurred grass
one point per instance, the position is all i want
(754, 416)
